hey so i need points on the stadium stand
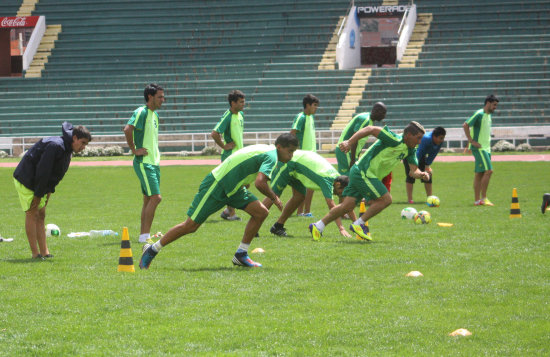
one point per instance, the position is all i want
(9, 7)
(109, 50)
(473, 48)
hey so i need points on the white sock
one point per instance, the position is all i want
(157, 246)
(243, 247)
(359, 221)
(144, 236)
(320, 226)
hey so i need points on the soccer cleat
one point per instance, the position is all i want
(309, 214)
(545, 202)
(478, 203)
(147, 256)
(486, 202)
(242, 259)
(411, 201)
(281, 232)
(149, 241)
(315, 232)
(361, 230)
(228, 217)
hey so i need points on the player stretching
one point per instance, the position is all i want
(225, 186)
(306, 170)
(367, 173)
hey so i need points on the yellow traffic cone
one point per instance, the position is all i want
(514, 207)
(126, 261)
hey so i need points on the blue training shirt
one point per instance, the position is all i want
(427, 150)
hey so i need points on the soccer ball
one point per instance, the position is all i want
(422, 217)
(432, 201)
(52, 230)
(408, 213)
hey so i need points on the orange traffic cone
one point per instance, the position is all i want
(514, 207)
(126, 261)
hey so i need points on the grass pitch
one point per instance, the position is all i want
(488, 273)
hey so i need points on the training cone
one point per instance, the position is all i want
(362, 210)
(126, 261)
(514, 207)
(461, 332)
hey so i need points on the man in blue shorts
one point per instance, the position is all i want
(225, 186)
(141, 134)
(478, 132)
(365, 179)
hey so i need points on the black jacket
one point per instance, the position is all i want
(45, 163)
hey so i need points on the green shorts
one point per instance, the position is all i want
(483, 160)
(343, 161)
(26, 196)
(280, 183)
(212, 197)
(149, 177)
(360, 186)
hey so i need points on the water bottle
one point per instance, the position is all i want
(103, 233)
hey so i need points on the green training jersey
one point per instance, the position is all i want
(480, 129)
(382, 156)
(146, 134)
(357, 123)
(305, 131)
(231, 127)
(242, 167)
(311, 169)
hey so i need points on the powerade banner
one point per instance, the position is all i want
(382, 11)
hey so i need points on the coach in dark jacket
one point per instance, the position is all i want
(39, 171)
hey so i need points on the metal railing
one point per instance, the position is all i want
(326, 139)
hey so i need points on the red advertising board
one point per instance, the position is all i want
(18, 21)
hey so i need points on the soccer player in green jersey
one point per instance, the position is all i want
(367, 173)
(347, 160)
(304, 129)
(478, 132)
(306, 170)
(231, 127)
(141, 134)
(225, 185)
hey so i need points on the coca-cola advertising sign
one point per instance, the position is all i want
(18, 21)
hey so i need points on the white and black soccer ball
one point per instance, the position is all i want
(52, 230)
